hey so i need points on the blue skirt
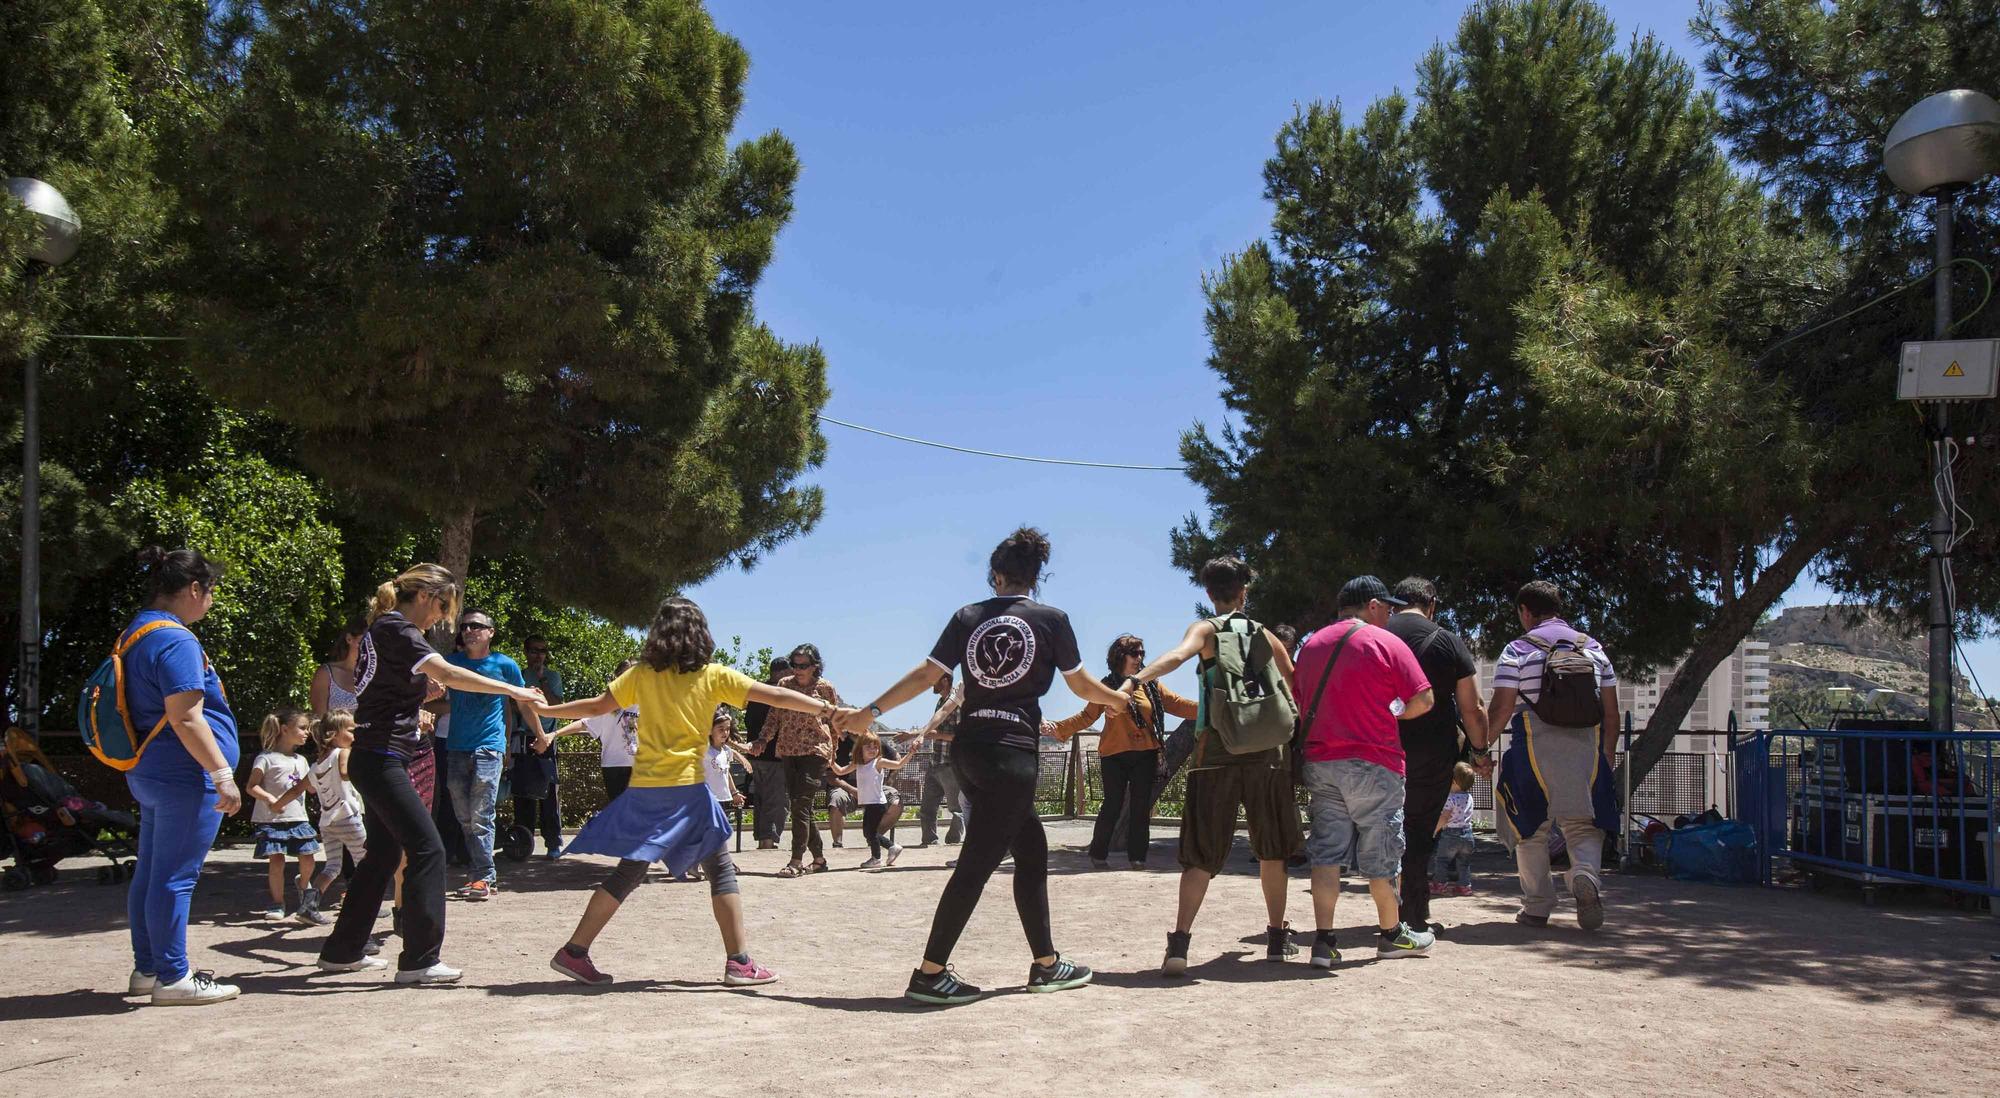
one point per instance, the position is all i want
(679, 825)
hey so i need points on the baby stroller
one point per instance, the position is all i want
(47, 820)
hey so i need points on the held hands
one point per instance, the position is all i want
(1483, 766)
(852, 721)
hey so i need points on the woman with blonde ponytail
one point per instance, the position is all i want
(392, 677)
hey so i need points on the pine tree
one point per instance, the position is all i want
(494, 263)
(1509, 335)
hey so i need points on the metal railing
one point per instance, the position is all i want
(1878, 807)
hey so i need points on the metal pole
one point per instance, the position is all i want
(1940, 613)
(31, 539)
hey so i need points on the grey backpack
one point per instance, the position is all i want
(1247, 703)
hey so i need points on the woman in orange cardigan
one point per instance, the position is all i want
(1128, 753)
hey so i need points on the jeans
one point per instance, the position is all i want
(398, 826)
(473, 778)
(1531, 856)
(767, 780)
(1454, 858)
(443, 814)
(940, 790)
(999, 782)
(802, 773)
(1357, 817)
(1128, 790)
(177, 826)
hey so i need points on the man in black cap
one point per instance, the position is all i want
(1356, 682)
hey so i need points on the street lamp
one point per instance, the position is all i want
(1939, 146)
(61, 233)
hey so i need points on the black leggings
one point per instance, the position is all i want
(616, 780)
(627, 875)
(398, 825)
(872, 816)
(999, 785)
(1128, 789)
(802, 773)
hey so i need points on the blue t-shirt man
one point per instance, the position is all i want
(479, 721)
(166, 662)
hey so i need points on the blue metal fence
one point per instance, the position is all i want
(1880, 806)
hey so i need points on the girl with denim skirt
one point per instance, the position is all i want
(278, 813)
(669, 814)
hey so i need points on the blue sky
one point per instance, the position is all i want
(1002, 223)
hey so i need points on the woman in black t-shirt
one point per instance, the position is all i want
(392, 677)
(1011, 647)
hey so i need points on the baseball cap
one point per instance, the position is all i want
(1360, 589)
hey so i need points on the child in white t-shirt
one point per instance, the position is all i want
(340, 811)
(278, 812)
(874, 796)
(617, 736)
(1451, 866)
(715, 764)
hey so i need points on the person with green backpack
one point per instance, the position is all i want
(1244, 725)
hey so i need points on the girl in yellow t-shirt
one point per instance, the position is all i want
(668, 814)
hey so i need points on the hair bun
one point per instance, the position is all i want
(151, 556)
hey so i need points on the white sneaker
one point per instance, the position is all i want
(872, 863)
(439, 973)
(894, 853)
(365, 964)
(272, 914)
(141, 983)
(193, 989)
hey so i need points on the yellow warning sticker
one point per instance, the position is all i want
(1954, 370)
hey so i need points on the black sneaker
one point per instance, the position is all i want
(1278, 943)
(1325, 953)
(1060, 976)
(1177, 947)
(939, 988)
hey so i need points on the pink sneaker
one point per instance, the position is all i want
(578, 968)
(746, 974)
(1439, 888)
(1461, 890)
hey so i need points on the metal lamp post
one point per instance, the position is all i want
(61, 233)
(1939, 146)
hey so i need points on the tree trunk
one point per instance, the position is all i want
(455, 543)
(1733, 622)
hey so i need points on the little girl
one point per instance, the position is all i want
(874, 799)
(277, 782)
(1454, 837)
(668, 814)
(715, 764)
(617, 736)
(340, 826)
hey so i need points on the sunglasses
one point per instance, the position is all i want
(796, 666)
(475, 627)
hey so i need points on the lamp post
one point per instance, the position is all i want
(1938, 147)
(61, 233)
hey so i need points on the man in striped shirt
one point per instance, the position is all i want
(1554, 776)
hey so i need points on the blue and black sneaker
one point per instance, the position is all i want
(1060, 976)
(941, 988)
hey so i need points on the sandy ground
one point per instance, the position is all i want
(1688, 989)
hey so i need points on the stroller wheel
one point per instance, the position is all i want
(106, 874)
(15, 879)
(43, 873)
(518, 843)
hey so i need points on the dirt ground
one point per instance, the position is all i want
(1689, 989)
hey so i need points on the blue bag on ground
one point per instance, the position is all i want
(1723, 853)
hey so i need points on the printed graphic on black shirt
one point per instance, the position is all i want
(1000, 652)
(1011, 648)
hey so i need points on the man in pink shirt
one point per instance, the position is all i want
(1355, 682)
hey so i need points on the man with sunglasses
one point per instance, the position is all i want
(476, 746)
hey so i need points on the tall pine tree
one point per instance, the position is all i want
(494, 262)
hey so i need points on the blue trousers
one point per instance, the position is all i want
(474, 780)
(177, 826)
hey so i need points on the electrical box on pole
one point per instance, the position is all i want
(1948, 370)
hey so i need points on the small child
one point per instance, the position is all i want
(867, 767)
(715, 768)
(1454, 837)
(669, 815)
(277, 782)
(340, 811)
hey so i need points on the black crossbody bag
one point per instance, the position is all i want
(1297, 749)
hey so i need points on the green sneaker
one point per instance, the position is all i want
(1406, 943)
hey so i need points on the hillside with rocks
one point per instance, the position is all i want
(1818, 650)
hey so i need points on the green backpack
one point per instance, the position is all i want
(1248, 705)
